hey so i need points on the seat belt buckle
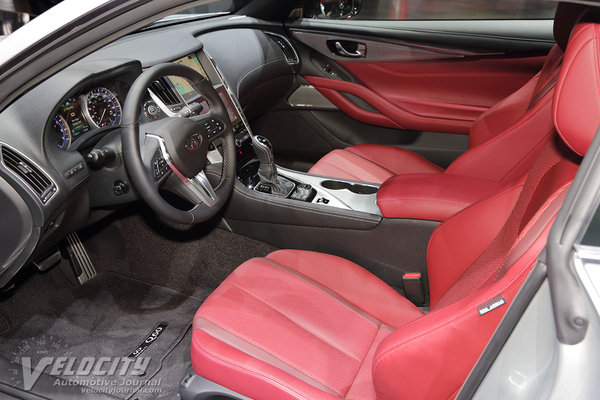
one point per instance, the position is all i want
(413, 287)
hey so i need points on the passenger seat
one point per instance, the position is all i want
(503, 142)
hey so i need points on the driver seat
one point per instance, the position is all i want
(304, 325)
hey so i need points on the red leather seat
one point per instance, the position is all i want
(503, 142)
(303, 325)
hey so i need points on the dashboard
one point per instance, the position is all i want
(51, 129)
(94, 109)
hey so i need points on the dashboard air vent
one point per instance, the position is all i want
(29, 173)
(288, 50)
(165, 91)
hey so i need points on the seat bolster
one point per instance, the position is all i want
(436, 353)
(372, 163)
(502, 114)
(220, 362)
(457, 243)
(510, 154)
(344, 277)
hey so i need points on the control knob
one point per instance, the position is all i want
(303, 190)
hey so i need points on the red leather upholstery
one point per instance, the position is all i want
(393, 113)
(293, 325)
(577, 99)
(503, 141)
(478, 226)
(510, 153)
(431, 197)
(372, 163)
(312, 326)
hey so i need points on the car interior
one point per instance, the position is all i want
(284, 207)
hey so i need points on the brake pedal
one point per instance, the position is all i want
(82, 266)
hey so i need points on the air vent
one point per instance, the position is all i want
(29, 173)
(288, 50)
(165, 91)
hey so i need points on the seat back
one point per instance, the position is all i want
(479, 259)
(505, 140)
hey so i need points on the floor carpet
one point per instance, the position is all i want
(148, 274)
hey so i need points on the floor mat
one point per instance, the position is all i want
(193, 261)
(110, 316)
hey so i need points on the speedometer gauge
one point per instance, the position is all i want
(63, 131)
(102, 108)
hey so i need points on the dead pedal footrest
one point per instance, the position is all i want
(83, 268)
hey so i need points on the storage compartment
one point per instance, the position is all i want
(353, 187)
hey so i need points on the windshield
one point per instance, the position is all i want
(16, 13)
(210, 9)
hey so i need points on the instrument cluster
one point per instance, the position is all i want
(90, 110)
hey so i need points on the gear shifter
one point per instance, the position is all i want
(270, 182)
(267, 171)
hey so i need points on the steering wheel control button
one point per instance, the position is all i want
(120, 187)
(212, 127)
(159, 166)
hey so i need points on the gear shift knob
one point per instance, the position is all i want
(264, 151)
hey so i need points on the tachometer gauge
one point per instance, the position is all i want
(102, 108)
(63, 131)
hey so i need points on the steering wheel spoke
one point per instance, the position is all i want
(198, 190)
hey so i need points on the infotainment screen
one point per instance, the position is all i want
(188, 93)
(181, 84)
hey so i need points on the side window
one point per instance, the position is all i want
(429, 9)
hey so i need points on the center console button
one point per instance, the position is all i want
(264, 188)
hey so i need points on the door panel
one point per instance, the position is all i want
(427, 78)
(453, 90)
(431, 86)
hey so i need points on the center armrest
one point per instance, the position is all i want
(433, 197)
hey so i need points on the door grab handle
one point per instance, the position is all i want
(360, 52)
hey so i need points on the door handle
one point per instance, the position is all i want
(361, 50)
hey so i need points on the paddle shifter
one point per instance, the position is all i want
(270, 182)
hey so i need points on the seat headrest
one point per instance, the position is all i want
(566, 17)
(576, 108)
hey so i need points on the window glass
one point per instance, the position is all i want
(429, 9)
(16, 13)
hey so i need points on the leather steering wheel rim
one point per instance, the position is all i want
(131, 137)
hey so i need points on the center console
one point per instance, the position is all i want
(258, 172)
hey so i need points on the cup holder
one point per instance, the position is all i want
(353, 187)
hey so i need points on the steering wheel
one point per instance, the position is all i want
(171, 153)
